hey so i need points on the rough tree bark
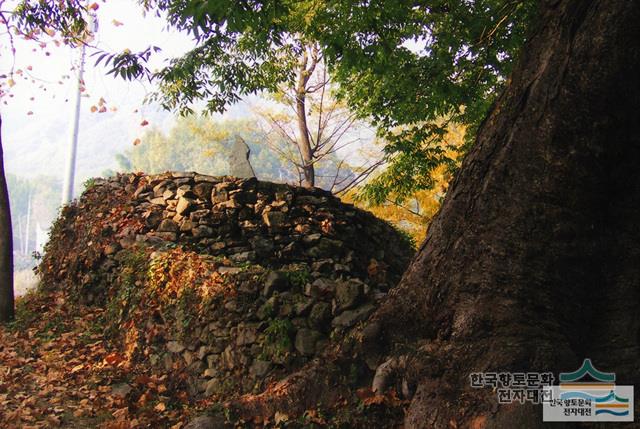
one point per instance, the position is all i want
(6, 247)
(533, 262)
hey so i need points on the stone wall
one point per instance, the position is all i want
(273, 272)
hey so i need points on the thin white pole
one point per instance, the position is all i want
(26, 233)
(67, 190)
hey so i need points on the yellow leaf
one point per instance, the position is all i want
(280, 417)
(77, 368)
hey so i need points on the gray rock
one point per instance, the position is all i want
(158, 237)
(168, 194)
(302, 308)
(262, 246)
(197, 367)
(212, 361)
(186, 192)
(239, 165)
(350, 317)
(274, 218)
(229, 270)
(184, 206)
(159, 189)
(275, 281)
(202, 231)
(168, 225)
(246, 335)
(206, 178)
(320, 316)
(210, 373)
(326, 248)
(207, 422)
(348, 294)
(186, 225)
(153, 219)
(203, 190)
(268, 309)
(220, 193)
(243, 256)
(213, 386)
(121, 390)
(305, 342)
(175, 347)
(158, 201)
(321, 287)
(178, 175)
(310, 199)
(260, 368)
(312, 238)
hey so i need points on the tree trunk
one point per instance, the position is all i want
(304, 143)
(533, 262)
(6, 247)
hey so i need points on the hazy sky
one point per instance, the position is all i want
(38, 116)
(37, 119)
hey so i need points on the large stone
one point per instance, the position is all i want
(312, 238)
(246, 335)
(275, 281)
(260, 368)
(348, 294)
(184, 206)
(321, 287)
(207, 422)
(306, 341)
(153, 218)
(242, 257)
(320, 316)
(229, 270)
(206, 178)
(210, 372)
(274, 218)
(202, 231)
(310, 199)
(213, 386)
(203, 190)
(239, 165)
(121, 390)
(350, 317)
(326, 248)
(175, 347)
(263, 246)
(168, 225)
(269, 308)
(168, 194)
(186, 192)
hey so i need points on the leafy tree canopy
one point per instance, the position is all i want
(402, 64)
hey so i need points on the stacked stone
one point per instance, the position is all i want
(306, 268)
(248, 220)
